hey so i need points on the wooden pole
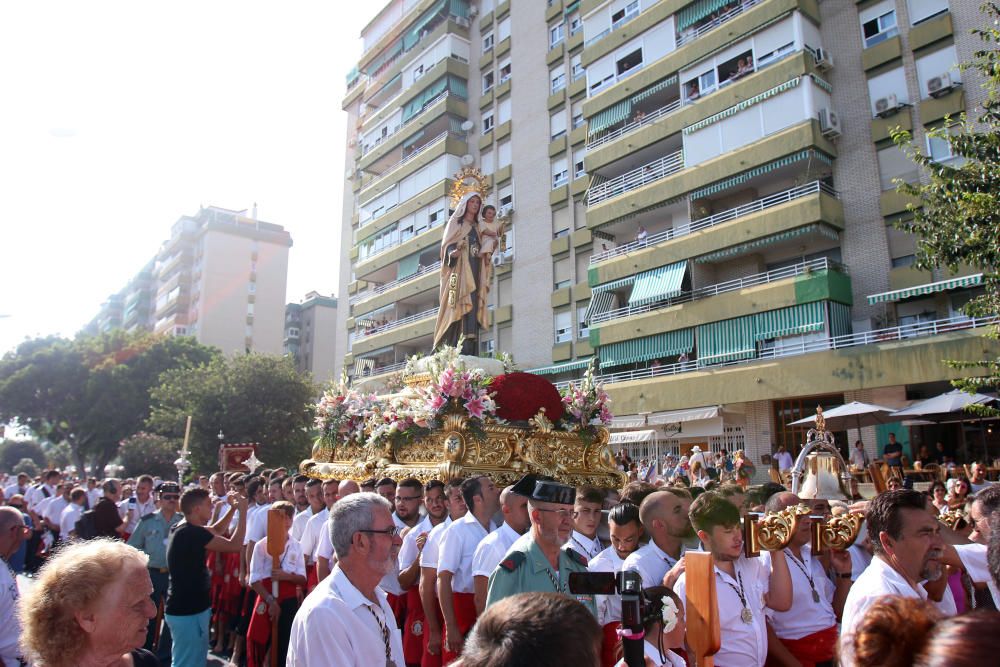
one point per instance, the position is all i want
(704, 635)
(187, 435)
(157, 624)
(276, 538)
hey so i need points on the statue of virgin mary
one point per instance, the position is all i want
(465, 275)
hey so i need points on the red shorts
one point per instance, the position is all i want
(465, 616)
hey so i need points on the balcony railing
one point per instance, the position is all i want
(401, 240)
(429, 145)
(821, 264)
(634, 125)
(365, 150)
(617, 25)
(383, 370)
(636, 178)
(904, 332)
(359, 333)
(368, 112)
(717, 219)
(367, 294)
(692, 34)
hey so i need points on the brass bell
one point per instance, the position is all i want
(820, 472)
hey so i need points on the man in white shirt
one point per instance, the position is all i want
(346, 621)
(859, 459)
(807, 632)
(94, 492)
(71, 513)
(745, 586)
(977, 477)
(144, 503)
(54, 506)
(586, 519)
(12, 533)
(408, 497)
(626, 529)
(314, 530)
(428, 575)
(20, 487)
(665, 518)
(456, 593)
(324, 553)
(908, 549)
(494, 546)
(46, 489)
(314, 505)
(784, 459)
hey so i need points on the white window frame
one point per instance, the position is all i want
(487, 122)
(579, 168)
(930, 141)
(488, 76)
(577, 68)
(625, 14)
(582, 330)
(557, 80)
(575, 24)
(884, 31)
(563, 334)
(488, 42)
(557, 33)
(560, 173)
(504, 65)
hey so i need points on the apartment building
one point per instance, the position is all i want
(700, 195)
(220, 277)
(311, 335)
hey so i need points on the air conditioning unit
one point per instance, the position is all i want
(507, 209)
(938, 86)
(461, 20)
(824, 60)
(887, 106)
(473, 11)
(829, 123)
(497, 259)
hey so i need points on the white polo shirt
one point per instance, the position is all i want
(743, 644)
(10, 630)
(300, 521)
(67, 520)
(585, 546)
(492, 549)
(139, 510)
(324, 542)
(429, 556)
(256, 523)
(310, 536)
(806, 615)
(54, 509)
(652, 563)
(878, 579)
(35, 495)
(291, 561)
(409, 552)
(974, 560)
(457, 549)
(337, 625)
(609, 607)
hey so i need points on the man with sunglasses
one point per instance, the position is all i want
(150, 537)
(542, 560)
(13, 532)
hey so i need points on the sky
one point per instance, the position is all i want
(117, 118)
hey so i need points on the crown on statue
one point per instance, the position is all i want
(469, 179)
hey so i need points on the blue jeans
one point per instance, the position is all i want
(190, 638)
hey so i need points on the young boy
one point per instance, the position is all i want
(289, 572)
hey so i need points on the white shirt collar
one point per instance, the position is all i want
(350, 594)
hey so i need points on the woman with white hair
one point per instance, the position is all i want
(90, 607)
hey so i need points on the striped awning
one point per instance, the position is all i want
(663, 83)
(840, 319)
(559, 368)
(791, 321)
(751, 246)
(728, 340)
(660, 283)
(600, 303)
(930, 288)
(633, 351)
(613, 285)
(616, 113)
(736, 108)
(739, 179)
(699, 10)
(363, 367)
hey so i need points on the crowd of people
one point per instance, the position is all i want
(464, 572)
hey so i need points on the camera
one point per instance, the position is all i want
(628, 585)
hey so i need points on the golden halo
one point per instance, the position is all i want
(469, 179)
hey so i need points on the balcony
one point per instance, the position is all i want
(392, 173)
(801, 269)
(648, 119)
(636, 178)
(399, 240)
(410, 122)
(415, 331)
(717, 219)
(615, 25)
(382, 289)
(693, 32)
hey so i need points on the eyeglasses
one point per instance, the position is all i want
(169, 496)
(17, 507)
(562, 514)
(406, 499)
(391, 531)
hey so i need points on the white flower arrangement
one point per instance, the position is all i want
(669, 613)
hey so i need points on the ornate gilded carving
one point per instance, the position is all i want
(839, 532)
(774, 530)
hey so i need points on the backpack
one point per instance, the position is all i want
(86, 526)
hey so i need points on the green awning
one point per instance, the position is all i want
(610, 116)
(655, 88)
(745, 104)
(750, 246)
(669, 344)
(408, 265)
(697, 11)
(840, 319)
(416, 105)
(412, 35)
(613, 285)
(743, 177)
(930, 288)
(728, 340)
(576, 364)
(571, 7)
(791, 321)
(460, 8)
(600, 303)
(394, 50)
(660, 283)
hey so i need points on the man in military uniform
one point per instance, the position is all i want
(150, 537)
(541, 561)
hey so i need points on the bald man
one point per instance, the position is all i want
(324, 555)
(12, 533)
(664, 516)
(495, 546)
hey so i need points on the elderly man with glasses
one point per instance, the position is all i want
(13, 532)
(150, 537)
(346, 620)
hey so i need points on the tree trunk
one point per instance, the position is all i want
(79, 460)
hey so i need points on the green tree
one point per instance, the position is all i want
(26, 465)
(957, 217)
(250, 398)
(150, 454)
(12, 451)
(90, 392)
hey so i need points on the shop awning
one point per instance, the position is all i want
(738, 179)
(728, 340)
(600, 303)
(625, 437)
(799, 319)
(686, 415)
(660, 283)
(923, 290)
(750, 246)
(699, 10)
(559, 368)
(667, 344)
(628, 421)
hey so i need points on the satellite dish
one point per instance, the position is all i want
(467, 160)
(467, 126)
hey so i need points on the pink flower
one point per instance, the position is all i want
(475, 408)
(437, 402)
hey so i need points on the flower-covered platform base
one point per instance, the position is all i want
(449, 422)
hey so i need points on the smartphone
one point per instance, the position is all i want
(132, 501)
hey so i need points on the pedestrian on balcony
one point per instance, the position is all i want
(641, 234)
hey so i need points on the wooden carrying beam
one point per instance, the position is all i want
(703, 633)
